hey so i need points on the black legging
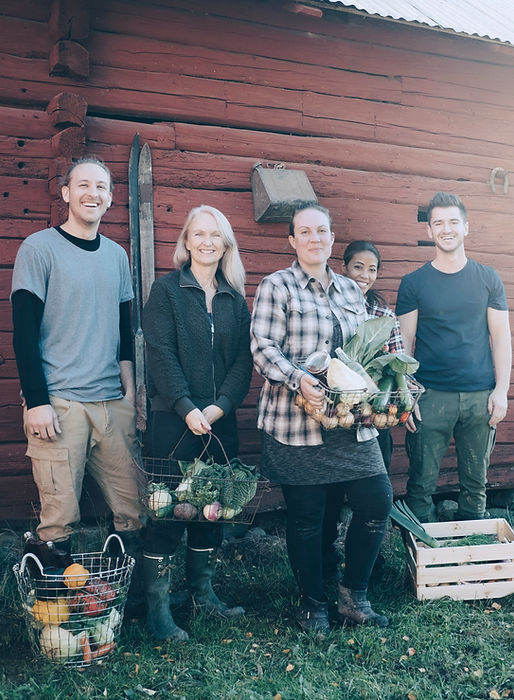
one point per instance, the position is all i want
(370, 500)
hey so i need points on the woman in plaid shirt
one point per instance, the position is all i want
(299, 310)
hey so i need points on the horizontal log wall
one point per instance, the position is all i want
(379, 116)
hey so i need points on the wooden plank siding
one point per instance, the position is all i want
(379, 115)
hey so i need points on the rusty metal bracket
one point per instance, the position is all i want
(499, 172)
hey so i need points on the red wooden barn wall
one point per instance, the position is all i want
(379, 115)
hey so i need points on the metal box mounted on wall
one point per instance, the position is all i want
(277, 192)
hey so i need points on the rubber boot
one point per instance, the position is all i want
(157, 582)
(133, 543)
(353, 608)
(199, 572)
(313, 616)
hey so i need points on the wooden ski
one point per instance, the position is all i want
(146, 222)
(135, 257)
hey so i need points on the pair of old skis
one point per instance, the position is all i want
(142, 261)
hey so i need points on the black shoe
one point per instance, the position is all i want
(313, 616)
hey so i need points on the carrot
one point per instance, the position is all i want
(86, 649)
(103, 650)
(405, 416)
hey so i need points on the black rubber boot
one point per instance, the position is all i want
(353, 608)
(157, 583)
(199, 572)
(133, 543)
(313, 616)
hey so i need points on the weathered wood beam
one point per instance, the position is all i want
(68, 29)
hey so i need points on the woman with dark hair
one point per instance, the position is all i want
(361, 263)
(297, 311)
(196, 326)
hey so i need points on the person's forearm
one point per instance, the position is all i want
(27, 312)
(502, 360)
(127, 378)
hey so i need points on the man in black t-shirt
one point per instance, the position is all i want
(454, 311)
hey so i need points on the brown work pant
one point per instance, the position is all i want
(97, 437)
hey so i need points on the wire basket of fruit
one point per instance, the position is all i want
(74, 615)
(365, 385)
(201, 490)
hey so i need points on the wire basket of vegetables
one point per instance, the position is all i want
(365, 385)
(201, 490)
(74, 615)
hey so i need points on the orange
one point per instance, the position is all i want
(75, 576)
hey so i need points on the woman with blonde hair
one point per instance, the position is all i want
(196, 326)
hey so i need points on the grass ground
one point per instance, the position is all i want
(430, 651)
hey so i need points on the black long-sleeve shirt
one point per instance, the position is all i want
(27, 313)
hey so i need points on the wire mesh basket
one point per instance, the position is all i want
(74, 615)
(349, 409)
(200, 490)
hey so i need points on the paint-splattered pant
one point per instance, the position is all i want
(444, 415)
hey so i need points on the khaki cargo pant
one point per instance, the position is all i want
(445, 414)
(99, 438)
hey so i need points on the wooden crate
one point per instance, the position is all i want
(465, 572)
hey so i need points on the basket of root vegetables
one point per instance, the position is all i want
(74, 616)
(365, 385)
(201, 490)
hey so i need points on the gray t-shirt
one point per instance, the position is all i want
(81, 291)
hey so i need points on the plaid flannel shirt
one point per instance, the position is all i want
(292, 317)
(395, 339)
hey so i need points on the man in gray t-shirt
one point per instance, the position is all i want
(71, 296)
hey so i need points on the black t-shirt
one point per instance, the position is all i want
(452, 335)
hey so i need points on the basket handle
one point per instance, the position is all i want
(205, 447)
(119, 540)
(27, 556)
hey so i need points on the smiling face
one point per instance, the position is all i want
(204, 241)
(447, 228)
(88, 196)
(312, 239)
(363, 269)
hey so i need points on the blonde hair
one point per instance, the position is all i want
(231, 264)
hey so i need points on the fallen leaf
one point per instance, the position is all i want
(358, 656)
(351, 641)
(494, 694)
(136, 668)
(268, 654)
(255, 646)
(248, 634)
(251, 651)
(478, 673)
(411, 696)
(411, 651)
(487, 611)
(289, 667)
(275, 631)
(466, 669)
(226, 641)
(405, 638)
(403, 657)
(277, 696)
(238, 556)
(422, 670)
(286, 651)
(496, 606)
(383, 640)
